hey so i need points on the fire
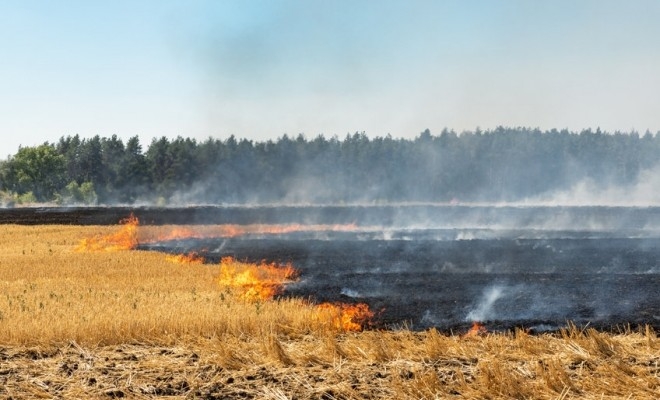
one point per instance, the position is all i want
(127, 237)
(254, 282)
(190, 258)
(258, 282)
(177, 233)
(265, 229)
(124, 239)
(233, 230)
(251, 282)
(291, 228)
(346, 317)
(477, 329)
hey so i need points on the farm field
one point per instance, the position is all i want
(99, 321)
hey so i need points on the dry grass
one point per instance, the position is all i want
(132, 324)
(50, 293)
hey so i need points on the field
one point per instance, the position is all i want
(87, 322)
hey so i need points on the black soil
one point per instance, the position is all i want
(538, 284)
(509, 217)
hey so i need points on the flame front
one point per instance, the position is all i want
(233, 230)
(477, 329)
(346, 317)
(176, 233)
(254, 282)
(251, 282)
(190, 258)
(127, 237)
(259, 282)
(124, 239)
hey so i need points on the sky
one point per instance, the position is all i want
(262, 69)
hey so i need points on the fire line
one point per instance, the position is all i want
(250, 282)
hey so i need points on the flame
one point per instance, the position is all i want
(127, 237)
(254, 282)
(346, 317)
(233, 230)
(259, 282)
(177, 233)
(190, 258)
(477, 329)
(124, 239)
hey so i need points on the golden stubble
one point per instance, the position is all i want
(50, 292)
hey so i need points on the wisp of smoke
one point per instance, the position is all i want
(483, 310)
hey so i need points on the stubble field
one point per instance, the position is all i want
(90, 323)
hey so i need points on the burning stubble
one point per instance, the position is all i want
(250, 282)
(125, 238)
(255, 282)
(540, 275)
(129, 236)
(190, 258)
(152, 234)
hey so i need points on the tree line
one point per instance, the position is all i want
(504, 164)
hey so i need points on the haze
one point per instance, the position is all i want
(260, 69)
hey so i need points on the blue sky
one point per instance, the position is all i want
(260, 69)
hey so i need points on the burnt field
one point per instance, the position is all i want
(538, 284)
(580, 218)
(438, 266)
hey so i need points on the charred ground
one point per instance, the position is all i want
(539, 284)
(447, 216)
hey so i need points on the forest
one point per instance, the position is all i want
(499, 165)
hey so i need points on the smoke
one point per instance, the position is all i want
(521, 302)
(508, 167)
(351, 293)
(588, 192)
(484, 309)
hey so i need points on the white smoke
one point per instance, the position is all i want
(351, 293)
(484, 310)
(642, 193)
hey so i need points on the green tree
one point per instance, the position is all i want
(133, 172)
(70, 148)
(40, 170)
(91, 163)
(74, 193)
(112, 154)
(159, 164)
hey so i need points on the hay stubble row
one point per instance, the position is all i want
(133, 324)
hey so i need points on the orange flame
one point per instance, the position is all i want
(124, 239)
(232, 230)
(177, 233)
(127, 237)
(254, 282)
(190, 258)
(346, 317)
(477, 329)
